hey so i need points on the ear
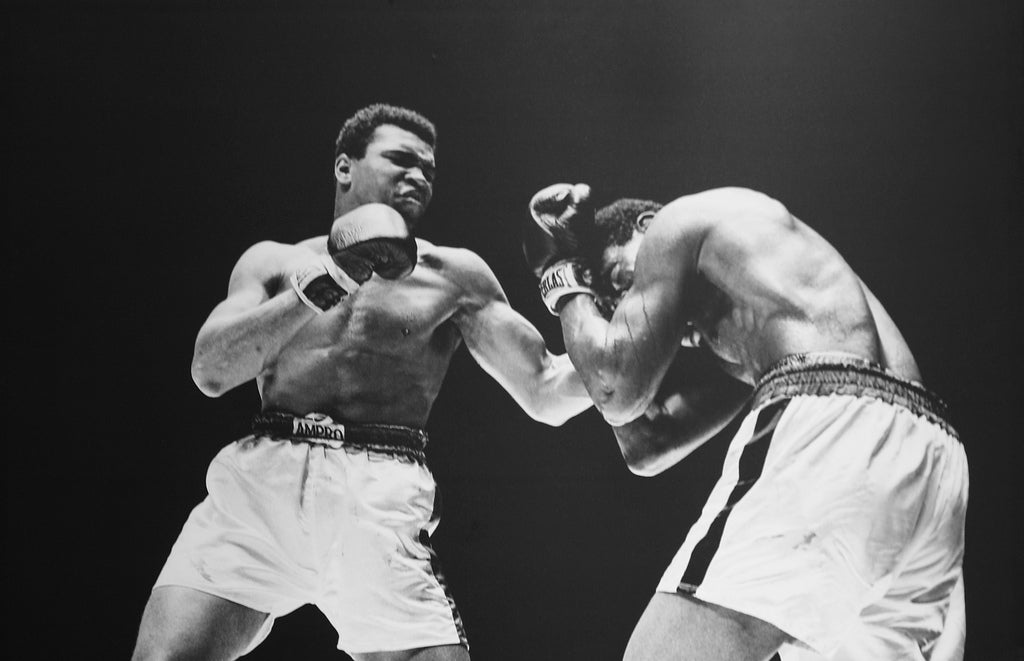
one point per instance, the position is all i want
(343, 169)
(643, 221)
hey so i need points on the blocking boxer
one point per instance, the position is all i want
(836, 529)
(329, 501)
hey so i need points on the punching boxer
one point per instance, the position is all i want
(836, 529)
(329, 501)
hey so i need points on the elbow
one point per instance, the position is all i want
(618, 400)
(644, 465)
(616, 409)
(542, 410)
(550, 421)
(206, 381)
(648, 461)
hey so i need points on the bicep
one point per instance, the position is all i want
(249, 284)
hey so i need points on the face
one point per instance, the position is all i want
(397, 170)
(618, 264)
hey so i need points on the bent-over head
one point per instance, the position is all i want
(612, 246)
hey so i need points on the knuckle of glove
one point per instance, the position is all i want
(539, 248)
(387, 257)
(372, 238)
(370, 221)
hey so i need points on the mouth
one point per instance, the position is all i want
(412, 194)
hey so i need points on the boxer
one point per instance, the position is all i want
(329, 501)
(836, 529)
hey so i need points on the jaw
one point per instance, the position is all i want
(411, 210)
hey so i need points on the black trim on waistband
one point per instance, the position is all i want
(395, 441)
(824, 374)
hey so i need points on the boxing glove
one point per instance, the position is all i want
(372, 239)
(553, 241)
(560, 213)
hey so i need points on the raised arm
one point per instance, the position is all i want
(623, 360)
(511, 349)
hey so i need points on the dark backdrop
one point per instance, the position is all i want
(147, 147)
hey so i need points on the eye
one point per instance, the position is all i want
(402, 159)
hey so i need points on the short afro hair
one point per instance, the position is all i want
(614, 225)
(358, 129)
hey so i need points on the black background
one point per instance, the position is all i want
(147, 147)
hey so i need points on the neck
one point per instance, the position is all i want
(343, 205)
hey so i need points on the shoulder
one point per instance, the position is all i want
(717, 205)
(455, 262)
(685, 229)
(720, 213)
(463, 268)
(268, 258)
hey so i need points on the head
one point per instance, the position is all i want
(385, 154)
(613, 246)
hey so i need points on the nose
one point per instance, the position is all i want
(415, 174)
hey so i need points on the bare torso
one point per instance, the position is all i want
(380, 357)
(769, 286)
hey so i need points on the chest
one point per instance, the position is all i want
(391, 316)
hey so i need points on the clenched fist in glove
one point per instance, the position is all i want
(372, 238)
(552, 243)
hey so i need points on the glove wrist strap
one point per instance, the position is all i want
(562, 279)
(323, 285)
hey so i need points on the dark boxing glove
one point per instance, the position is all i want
(552, 242)
(372, 239)
(559, 213)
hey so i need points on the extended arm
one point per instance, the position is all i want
(512, 351)
(694, 402)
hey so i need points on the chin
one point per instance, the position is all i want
(411, 211)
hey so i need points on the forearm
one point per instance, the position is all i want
(513, 352)
(650, 446)
(695, 401)
(606, 366)
(545, 385)
(232, 347)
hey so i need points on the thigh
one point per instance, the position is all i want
(676, 627)
(180, 622)
(437, 653)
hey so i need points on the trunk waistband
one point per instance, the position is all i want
(397, 441)
(824, 374)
